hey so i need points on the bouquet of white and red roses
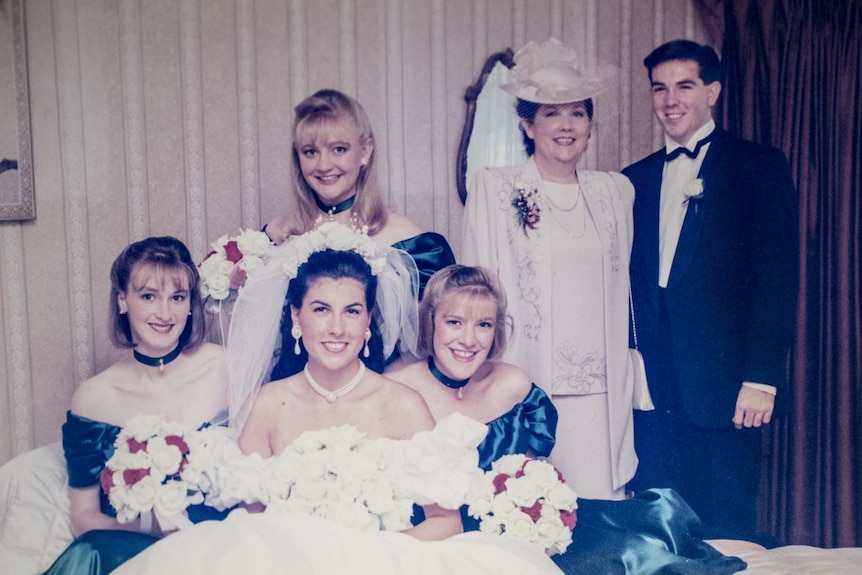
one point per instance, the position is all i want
(225, 269)
(158, 467)
(528, 499)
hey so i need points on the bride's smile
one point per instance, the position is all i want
(333, 319)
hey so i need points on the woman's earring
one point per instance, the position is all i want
(365, 351)
(296, 332)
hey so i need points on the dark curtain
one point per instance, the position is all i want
(793, 79)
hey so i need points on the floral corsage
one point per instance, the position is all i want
(694, 193)
(225, 269)
(527, 209)
(159, 467)
(528, 499)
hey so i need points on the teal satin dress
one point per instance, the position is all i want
(88, 445)
(654, 532)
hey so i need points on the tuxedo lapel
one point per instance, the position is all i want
(648, 206)
(695, 214)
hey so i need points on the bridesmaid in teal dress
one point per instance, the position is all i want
(333, 163)
(462, 330)
(156, 311)
(333, 179)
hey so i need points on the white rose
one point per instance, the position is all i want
(398, 518)
(170, 499)
(143, 427)
(502, 504)
(518, 524)
(561, 496)
(308, 442)
(119, 495)
(253, 243)
(142, 494)
(542, 473)
(165, 459)
(523, 491)
(550, 531)
(479, 506)
(124, 459)
(509, 464)
(491, 525)
(216, 286)
(309, 488)
(379, 497)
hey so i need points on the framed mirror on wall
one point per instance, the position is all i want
(17, 198)
(491, 136)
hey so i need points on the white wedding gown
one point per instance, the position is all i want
(436, 466)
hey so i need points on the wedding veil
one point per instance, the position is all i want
(254, 335)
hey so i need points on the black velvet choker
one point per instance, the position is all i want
(445, 379)
(337, 208)
(159, 362)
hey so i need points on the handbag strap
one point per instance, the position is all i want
(632, 312)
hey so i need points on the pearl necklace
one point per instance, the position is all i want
(331, 396)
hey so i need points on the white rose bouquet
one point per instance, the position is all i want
(226, 268)
(336, 474)
(159, 467)
(528, 499)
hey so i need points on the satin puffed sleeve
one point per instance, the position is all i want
(430, 251)
(87, 445)
(437, 466)
(530, 428)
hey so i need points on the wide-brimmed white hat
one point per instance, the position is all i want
(548, 73)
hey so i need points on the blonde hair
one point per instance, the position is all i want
(470, 282)
(331, 107)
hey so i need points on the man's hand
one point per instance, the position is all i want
(753, 407)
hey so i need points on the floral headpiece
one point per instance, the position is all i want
(254, 333)
(548, 73)
(332, 236)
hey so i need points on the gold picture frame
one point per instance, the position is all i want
(17, 197)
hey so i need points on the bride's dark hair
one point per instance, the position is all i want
(335, 265)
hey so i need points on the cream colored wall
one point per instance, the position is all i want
(153, 117)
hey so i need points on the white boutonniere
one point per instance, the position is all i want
(694, 192)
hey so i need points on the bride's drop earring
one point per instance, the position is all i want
(365, 351)
(296, 332)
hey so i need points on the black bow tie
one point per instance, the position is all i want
(682, 150)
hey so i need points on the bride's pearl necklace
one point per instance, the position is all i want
(331, 396)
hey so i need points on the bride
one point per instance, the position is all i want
(331, 296)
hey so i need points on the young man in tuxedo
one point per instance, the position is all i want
(714, 273)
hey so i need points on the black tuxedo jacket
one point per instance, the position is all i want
(729, 310)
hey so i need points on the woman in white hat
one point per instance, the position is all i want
(560, 238)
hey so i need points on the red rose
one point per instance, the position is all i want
(106, 479)
(135, 445)
(237, 278)
(132, 476)
(569, 519)
(231, 251)
(178, 442)
(534, 511)
(500, 483)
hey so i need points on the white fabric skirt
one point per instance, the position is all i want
(583, 449)
(275, 542)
